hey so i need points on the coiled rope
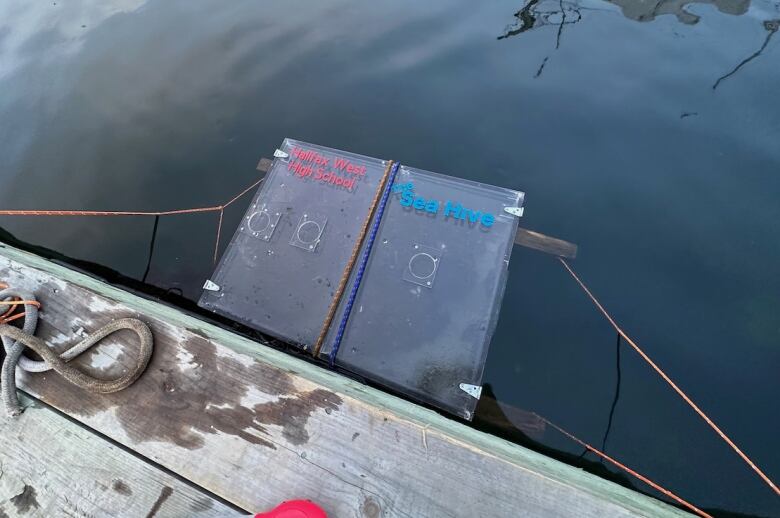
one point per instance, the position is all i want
(15, 340)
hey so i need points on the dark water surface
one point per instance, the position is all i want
(614, 117)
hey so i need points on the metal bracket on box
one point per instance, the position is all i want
(474, 391)
(515, 211)
(281, 154)
(210, 285)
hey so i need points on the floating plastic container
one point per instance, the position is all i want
(280, 271)
(429, 299)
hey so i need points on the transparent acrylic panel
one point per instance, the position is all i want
(280, 271)
(429, 300)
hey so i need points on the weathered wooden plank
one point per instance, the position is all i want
(546, 244)
(50, 466)
(257, 426)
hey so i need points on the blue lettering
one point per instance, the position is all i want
(451, 210)
(403, 187)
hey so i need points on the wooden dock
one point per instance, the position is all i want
(220, 425)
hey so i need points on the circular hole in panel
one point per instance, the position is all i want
(259, 222)
(308, 232)
(422, 265)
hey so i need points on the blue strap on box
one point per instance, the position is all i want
(362, 266)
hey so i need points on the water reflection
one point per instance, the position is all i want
(60, 28)
(539, 13)
(646, 11)
(163, 104)
(559, 13)
(771, 26)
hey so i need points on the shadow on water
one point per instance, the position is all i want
(525, 428)
(559, 13)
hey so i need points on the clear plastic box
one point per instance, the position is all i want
(428, 303)
(429, 300)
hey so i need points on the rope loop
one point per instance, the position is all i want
(14, 297)
(15, 340)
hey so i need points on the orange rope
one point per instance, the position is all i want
(12, 318)
(12, 304)
(17, 302)
(8, 311)
(5, 316)
(671, 383)
(13, 212)
(214, 208)
(628, 470)
(334, 303)
(219, 231)
(237, 196)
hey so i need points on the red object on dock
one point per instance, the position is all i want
(295, 509)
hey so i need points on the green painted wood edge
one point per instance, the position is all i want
(422, 417)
